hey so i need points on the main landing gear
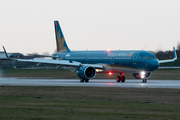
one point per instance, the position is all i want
(83, 80)
(120, 78)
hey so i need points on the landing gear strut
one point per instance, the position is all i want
(144, 81)
(120, 78)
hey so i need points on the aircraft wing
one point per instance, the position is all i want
(170, 60)
(57, 62)
(60, 62)
(51, 61)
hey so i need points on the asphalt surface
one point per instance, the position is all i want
(133, 83)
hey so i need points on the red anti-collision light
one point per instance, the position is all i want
(110, 73)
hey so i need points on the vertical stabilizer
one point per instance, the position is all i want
(60, 40)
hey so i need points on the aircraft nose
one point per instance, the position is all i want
(153, 65)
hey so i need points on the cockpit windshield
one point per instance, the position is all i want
(148, 57)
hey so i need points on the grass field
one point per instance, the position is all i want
(167, 74)
(87, 103)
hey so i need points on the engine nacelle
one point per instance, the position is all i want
(140, 76)
(86, 72)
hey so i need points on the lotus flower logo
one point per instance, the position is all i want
(60, 43)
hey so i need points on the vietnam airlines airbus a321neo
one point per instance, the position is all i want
(88, 63)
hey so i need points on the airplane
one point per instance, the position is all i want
(88, 63)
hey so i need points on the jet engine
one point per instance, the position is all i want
(142, 75)
(86, 72)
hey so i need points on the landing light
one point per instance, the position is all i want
(108, 50)
(143, 74)
(99, 70)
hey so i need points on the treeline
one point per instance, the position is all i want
(168, 53)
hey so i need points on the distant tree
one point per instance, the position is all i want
(34, 53)
(178, 49)
(46, 53)
(168, 53)
(160, 54)
(178, 46)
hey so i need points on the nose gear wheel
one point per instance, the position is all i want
(144, 81)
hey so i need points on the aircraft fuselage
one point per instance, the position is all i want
(115, 61)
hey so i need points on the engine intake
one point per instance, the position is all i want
(86, 72)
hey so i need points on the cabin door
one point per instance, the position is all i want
(112, 60)
(135, 57)
(87, 58)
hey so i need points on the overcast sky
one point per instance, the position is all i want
(27, 26)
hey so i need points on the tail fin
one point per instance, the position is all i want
(60, 41)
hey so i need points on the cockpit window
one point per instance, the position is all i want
(148, 57)
(144, 57)
(152, 57)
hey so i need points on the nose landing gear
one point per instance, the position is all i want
(144, 80)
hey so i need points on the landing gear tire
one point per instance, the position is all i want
(87, 80)
(144, 81)
(118, 79)
(122, 79)
(81, 80)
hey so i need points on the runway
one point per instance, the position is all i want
(132, 83)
